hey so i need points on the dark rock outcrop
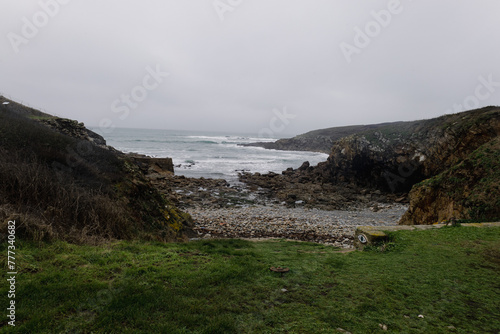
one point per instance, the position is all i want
(152, 166)
(308, 188)
(73, 129)
(394, 158)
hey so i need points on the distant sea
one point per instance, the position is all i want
(208, 154)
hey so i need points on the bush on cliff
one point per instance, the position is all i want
(59, 184)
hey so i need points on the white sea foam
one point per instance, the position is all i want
(209, 155)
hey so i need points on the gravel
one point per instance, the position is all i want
(276, 221)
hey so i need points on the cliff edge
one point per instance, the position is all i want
(60, 180)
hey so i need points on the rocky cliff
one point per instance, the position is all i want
(59, 180)
(395, 157)
(385, 162)
(468, 190)
(318, 140)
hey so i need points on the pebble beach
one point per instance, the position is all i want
(276, 221)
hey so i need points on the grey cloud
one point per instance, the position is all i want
(229, 75)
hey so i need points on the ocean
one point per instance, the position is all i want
(208, 154)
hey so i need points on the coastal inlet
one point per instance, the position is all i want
(222, 210)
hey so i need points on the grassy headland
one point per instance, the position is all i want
(449, 276)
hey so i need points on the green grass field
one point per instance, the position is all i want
(450, 276)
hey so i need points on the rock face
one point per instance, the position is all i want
(59, 180)
(395, 157)
(467, 190)
(151, 165)
(73, 129)
(392, 157)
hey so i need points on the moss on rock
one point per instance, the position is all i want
(468, 190)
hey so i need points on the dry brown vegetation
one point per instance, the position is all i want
(60, 187)
(55, 206)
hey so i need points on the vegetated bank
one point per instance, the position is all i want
(59, 180)
(469, 190)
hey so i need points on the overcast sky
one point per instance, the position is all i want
(288, 66)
